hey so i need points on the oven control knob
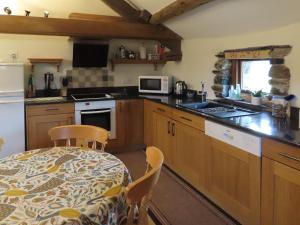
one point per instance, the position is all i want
(87, 103)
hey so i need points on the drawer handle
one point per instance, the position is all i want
(173, 129)
(289, 156)
(51, 109)
(169, 127)
(187, 119)
(160, 109)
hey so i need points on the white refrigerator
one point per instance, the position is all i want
(12, 122)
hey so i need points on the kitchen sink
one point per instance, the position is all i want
(217, 110)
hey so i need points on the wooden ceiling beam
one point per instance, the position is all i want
(84, 28)
(175, 9)
(127, 10)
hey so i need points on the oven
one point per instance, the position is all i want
(97, 113)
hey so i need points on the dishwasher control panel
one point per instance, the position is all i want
(242, 140)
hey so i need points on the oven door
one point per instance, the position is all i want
(104, 118)
(150, 85)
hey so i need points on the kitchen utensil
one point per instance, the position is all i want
(180, 88)
(49, 78)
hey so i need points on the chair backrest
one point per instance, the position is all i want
(1, 143)
(137, 190)
(82, 134)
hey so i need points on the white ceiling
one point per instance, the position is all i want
(229, 17)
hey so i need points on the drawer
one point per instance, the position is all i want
(49, 109)
(189, 119)
(242, 140)
(162, 109)
(280, 152)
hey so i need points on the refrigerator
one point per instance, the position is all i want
(12, 122)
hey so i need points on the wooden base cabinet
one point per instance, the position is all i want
(234, 180)
(280, 194)
(41, 118)
(148, 123)
(190, 155)
(130, 126)
(183, 148)
(280, 184)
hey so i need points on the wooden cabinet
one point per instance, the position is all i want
(190, 155)
(280, 184)
(41, 118)
(234, 180)
(182, 146)
(148, 123)
(130, 126)
(163, 137)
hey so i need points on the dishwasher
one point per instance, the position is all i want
(242, 140)
(234, 171)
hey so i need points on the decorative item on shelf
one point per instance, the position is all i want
(7, 10)
(131, 54)
(46, 14)
(256, 97)
(122, 52)
(27, 12)
(143, 53)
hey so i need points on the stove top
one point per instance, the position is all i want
(90, 96)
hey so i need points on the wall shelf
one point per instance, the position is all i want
(155, 63)
(55, 61)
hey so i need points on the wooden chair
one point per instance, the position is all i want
(1, 143)
(138, 193)
(82, 134)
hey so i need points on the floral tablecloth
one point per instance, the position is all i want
(62, 186)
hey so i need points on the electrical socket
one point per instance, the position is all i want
(13, 55)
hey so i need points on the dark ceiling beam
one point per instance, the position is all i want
(106, 28)
(123, 8)
(175, 9)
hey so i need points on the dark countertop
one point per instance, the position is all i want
(262, 124)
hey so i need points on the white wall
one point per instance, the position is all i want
(199, 56)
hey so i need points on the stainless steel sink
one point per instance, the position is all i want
(217, 110)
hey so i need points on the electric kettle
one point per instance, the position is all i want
(180, 88)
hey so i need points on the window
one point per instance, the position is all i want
(254, 75)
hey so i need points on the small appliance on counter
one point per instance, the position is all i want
(155, 84)
(64, 87)
(180, 88)
(49, 78)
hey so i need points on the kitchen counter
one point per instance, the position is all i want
(262, 124)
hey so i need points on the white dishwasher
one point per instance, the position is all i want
(242, 140)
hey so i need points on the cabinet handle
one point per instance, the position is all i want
(169, 127)
(173, 129)
(160, 109)
(289, 156)
(187, 119)
(51, 109)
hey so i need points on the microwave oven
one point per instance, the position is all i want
(155, 84)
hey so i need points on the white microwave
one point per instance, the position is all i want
(155, 84)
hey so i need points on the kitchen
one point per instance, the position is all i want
(254, 152)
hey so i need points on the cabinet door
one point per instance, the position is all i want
(134, 122)
(234, 181)
(280, 194)
(148, 123)
(163, 137)
(119, 141)
(189, 157)
(38, 127)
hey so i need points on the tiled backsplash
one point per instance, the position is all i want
(86, 78)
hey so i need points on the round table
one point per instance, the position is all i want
(63, 185)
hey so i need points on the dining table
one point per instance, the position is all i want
(63, 186)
